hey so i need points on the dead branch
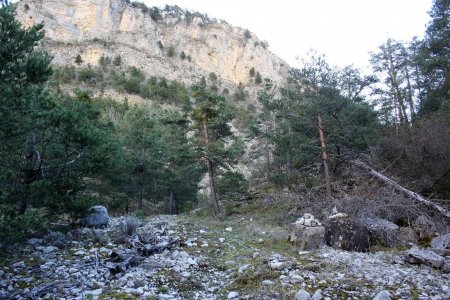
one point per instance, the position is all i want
(399, 188)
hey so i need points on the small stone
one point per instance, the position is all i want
(49, 249)
(255, 255)
(19, 264)
(243, 268)
(138, 291)
(277, 265)
(232, 295)
(186, 274)
(230, 263)
(317, 295)
(204, 245)
(34, 241)
(221, 240)
(300, 221)
(302, 295)
(229, 229)
(79, 253)
(308, 216)
(96, 292)
(202, 231)
(310, 222)
(260, 241)
(267, 282)
(296, 279)
(383, 295)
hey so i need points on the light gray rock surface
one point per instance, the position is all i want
(199, 273)
(383, 295)
(302, 295)
(422, 256)
(441, 244)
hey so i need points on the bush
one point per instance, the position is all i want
(155, 14)
(132, 85)
(15, 228)
(232, 186)
(126, 229)
(135, 72)
(117, 60)
(78, 59)
(171, 51)
(213, 77)
(89, 75)
(252, 72)
(57, 239)
(258, 78)
(65, 74)
(240, 94)
(104, 61)
(247, 34)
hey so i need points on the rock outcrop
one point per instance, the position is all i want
(92, 28)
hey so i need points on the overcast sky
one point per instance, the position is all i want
(345, 30)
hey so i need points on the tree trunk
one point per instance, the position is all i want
(404, 191)
(410, 94)
(267, 153)
(171, 203)
(395, 85)
(325, 156)
(209, 165)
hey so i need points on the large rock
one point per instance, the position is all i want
(343, 232)
(307, 238)
(98, 217)
(407, 235)
(441, 244)
(382, 231)
(307, 233)
(426, 257)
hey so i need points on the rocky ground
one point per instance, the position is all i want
(239, 258)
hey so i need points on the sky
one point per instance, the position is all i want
(344, 30)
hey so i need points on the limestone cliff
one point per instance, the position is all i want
(112, 27)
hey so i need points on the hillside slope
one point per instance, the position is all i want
(92, 28)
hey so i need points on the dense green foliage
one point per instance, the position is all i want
(219, 148)
(290, 121)
(49, 142)
(105, 76)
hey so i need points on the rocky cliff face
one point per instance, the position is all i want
(92, 28)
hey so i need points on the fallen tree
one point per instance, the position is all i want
(410, 194)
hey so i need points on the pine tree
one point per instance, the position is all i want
(78, 60)
(212, 116)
